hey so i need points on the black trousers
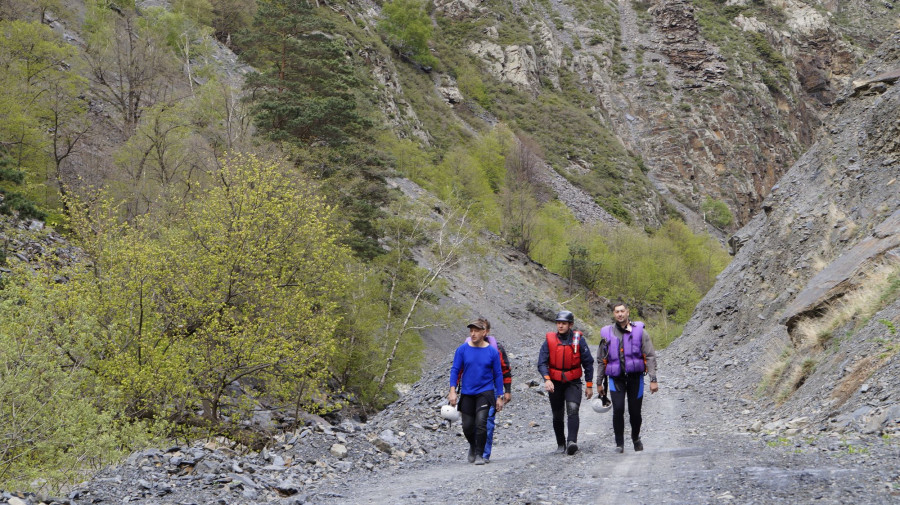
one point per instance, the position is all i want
(565, 400)
(630, 386)
(474, 410)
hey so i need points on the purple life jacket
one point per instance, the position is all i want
(490, 339)
(630, 349)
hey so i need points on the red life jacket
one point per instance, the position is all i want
(565, 359)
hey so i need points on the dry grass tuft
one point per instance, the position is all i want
(859, 374)
(787, 372)
(857, 305)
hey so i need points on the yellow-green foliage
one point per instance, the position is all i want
(671, 268)
(555, 227)
(243, 283)
(407, 27)
(469, 176)
(53, 430)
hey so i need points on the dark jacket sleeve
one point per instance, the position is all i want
(507, 371)
(543, 362)
(587, 361)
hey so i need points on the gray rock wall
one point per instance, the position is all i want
(799, 293)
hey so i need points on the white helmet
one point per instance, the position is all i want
(450, 413)
(601, 404)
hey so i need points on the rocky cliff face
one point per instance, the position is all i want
(716, 100)
(807, 314)
(735, 112)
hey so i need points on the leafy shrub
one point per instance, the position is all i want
(716, 212)
(55, 431)
(407, 28)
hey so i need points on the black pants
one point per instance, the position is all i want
(632, 387)
(473, 410)
(565, 399)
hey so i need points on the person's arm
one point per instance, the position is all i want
(507, 373)
(650, 358)
(587, 363)
(544, 366)
(602, 357)
(454, 375)
(498, 379)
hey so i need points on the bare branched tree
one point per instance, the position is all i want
(520, 196)
(129, 66)
(448, 242)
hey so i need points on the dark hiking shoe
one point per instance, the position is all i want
(479, 460)
(561, 449)
(638, 445)
(572, 448)
(620, 449)
(471, 455)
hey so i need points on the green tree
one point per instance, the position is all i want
(41, 114)
(407, 28)
(518, 197)
(230, 17)
(716, 212)
(253, 294)
(54, 431)
(304, 90)
(128, 66)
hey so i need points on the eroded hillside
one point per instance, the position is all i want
(807, 314)
(707, 99)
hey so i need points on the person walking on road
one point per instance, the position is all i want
(476, 367)
(507, 391)
(625, 355)
(563, 356)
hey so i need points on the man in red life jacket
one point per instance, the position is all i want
(563, 355)
(625, 355)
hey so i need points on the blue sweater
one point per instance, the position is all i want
(480, 367)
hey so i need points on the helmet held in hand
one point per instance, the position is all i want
(601, 404)
(450, 413)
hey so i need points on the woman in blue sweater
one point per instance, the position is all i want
(476, 367)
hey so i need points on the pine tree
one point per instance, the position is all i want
(303, 91)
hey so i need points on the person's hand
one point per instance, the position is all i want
(506, 398)
(499, 403)
(654, 387)
(588, 392)
(548, 386)
(452, 397)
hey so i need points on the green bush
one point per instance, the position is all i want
(407, 28)
(55, 431)
(716, 212)
(671, 268)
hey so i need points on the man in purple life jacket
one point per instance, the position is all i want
(625, 355)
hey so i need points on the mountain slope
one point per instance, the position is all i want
(807, 313)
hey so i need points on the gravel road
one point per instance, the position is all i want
(697, 450)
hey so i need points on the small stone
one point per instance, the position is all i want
(287, 488)
(339, 451)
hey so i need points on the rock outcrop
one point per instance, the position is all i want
(514, 64)
(810, 306)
